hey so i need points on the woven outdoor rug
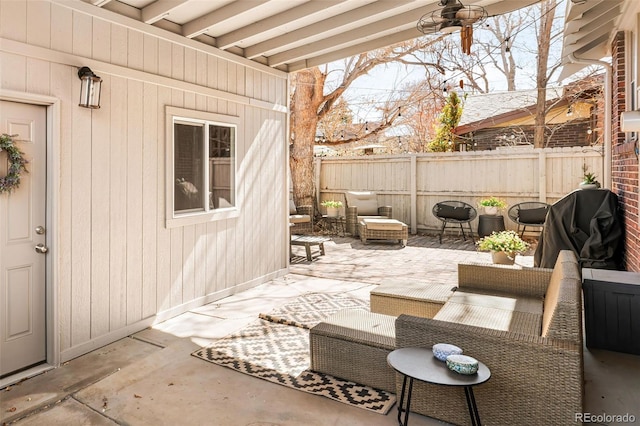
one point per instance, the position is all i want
(279, 353)
(312, 308)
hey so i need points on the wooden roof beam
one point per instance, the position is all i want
(202, 24)
(160, 9)
(273, 22)
(382, 29)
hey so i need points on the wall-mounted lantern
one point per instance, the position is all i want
(90, 85)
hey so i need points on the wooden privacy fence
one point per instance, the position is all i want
(413, 183)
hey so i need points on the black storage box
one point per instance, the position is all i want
(612, 309)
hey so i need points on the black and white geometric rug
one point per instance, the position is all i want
(312, 308)
(279, 353)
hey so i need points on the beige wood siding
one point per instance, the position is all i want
(119, 268)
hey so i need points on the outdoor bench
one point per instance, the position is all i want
(307, 241)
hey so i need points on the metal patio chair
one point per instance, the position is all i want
(456, 213)
(529, 213)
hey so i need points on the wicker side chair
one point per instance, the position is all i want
(529, 213)
(363, 205)
(456, 213)
(300, 218)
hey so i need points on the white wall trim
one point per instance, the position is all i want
(53, 212)
(100, 67)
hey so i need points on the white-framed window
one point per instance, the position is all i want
(201, 166)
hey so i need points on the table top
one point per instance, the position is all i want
(308, 239)
(420, 364)
(611, 276)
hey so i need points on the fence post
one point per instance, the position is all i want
(413, 185)
(316, 179)
(542, 176)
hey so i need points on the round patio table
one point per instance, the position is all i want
(420, 364)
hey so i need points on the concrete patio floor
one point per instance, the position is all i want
(150, 378)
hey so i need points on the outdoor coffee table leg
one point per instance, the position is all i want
(473, 408)
(401, 402)
(307, 248)
(321, 248)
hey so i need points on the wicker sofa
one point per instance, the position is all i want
(535, 357)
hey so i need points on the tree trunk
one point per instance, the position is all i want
(539, 122)
(303, 129)
(309, 104)
(547, 13)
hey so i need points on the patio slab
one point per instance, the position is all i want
(46, 389)
(151, 378)
(172, 387)
(423, 258)
(70, 412)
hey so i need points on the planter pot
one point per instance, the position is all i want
(332, 211)
(492, 210)
(503, 258)
(588, 185)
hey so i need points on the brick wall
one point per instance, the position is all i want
(574, 134)
(624, 162)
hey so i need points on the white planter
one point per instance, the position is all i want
(588, 185)
(332, 211)
(493, 210)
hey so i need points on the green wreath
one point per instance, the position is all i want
(16, 164)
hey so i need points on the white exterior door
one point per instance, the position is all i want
(23, 243)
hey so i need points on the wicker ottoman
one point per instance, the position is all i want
(353, 344)
(411, 297)
(383, 229)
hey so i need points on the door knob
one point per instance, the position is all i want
(40, 230)
(41, 248)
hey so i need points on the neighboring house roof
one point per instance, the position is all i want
(322, 150)
(492, 109)
(372, 146)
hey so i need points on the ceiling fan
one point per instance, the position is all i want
(454, 16)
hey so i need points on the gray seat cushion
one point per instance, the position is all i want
(516, 314)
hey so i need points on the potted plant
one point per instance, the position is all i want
(504, 246)
(332, 207)
(492, 204)
(589, 180)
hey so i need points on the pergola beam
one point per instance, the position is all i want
(160, 9)
(330, 24)
(202, 24)
(273, 22)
